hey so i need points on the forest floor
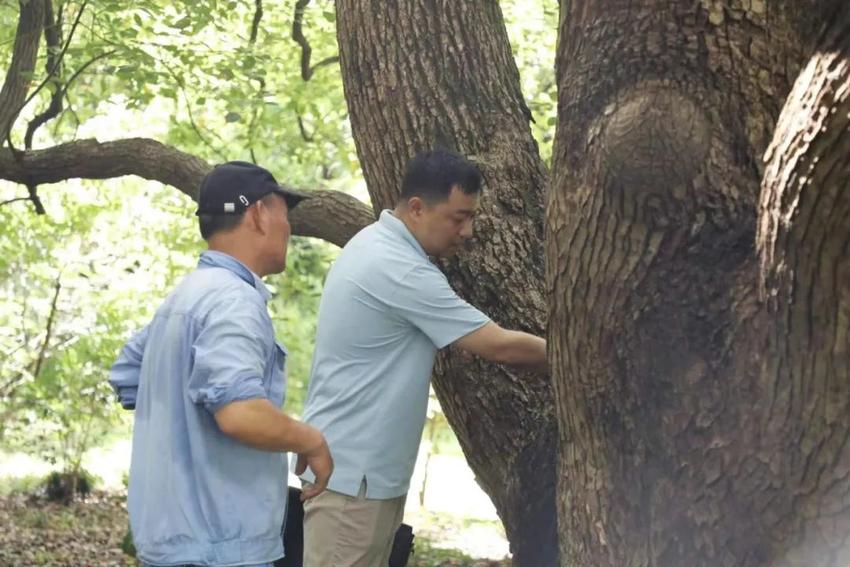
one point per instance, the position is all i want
(91, 532)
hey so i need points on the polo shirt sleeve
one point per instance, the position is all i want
(229, 355)
(425, 299)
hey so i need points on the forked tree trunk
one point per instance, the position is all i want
(702, 423)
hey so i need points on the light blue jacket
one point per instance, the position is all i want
(196, 495)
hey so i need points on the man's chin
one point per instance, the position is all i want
(280, 268)
(449, 252)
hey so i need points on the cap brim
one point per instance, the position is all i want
(291, 196)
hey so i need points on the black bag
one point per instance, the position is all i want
(402, 546)
(293, 536)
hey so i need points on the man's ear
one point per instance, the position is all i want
(256, 215)
(416, 206)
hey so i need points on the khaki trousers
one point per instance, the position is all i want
(350, 531)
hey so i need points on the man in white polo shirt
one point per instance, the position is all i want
(385, 311)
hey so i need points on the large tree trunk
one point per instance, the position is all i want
(700, 424)
(804, 247)
(421, 74)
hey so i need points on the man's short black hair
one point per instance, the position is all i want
(431, 176)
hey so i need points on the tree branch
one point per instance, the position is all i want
(298, 36)
(90, 159)
(56, 100)
(255, 111)
(61, 56)
(330, 215)
(180, 83)
(70, 110)
(255, 25)
(38, 363)
(32, 191)
(14, 200)
(24, 54)
(324, 62)
(85, 66)
(53, 66)
(42, 353)
(306, 51)
(304, 135)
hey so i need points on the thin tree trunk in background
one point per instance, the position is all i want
(19, 74)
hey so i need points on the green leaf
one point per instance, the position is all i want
(232, 117)
(182, 23)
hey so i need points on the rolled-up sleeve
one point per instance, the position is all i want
(124, 374)
(229, 355)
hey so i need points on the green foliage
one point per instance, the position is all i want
(27, 484)
(127, 545)
(68, 298)
(65, 486)
(206, 88)
(114, 262)
(56, 486)
(294, 309)
(426, 554)
(188, 74)
(532, 28)
(203, 85)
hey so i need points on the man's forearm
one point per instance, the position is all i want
(259, 424)
(525, 349)
(503, 346)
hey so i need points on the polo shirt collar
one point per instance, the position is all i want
(395, 225)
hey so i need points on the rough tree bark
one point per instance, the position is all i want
(804, 249)
(423, 74)
(699, 423)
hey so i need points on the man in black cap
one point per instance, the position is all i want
(206, 380)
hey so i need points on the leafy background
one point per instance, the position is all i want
(197, 75)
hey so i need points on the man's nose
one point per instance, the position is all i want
(466, 231)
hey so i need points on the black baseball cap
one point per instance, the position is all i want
(230, 188)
